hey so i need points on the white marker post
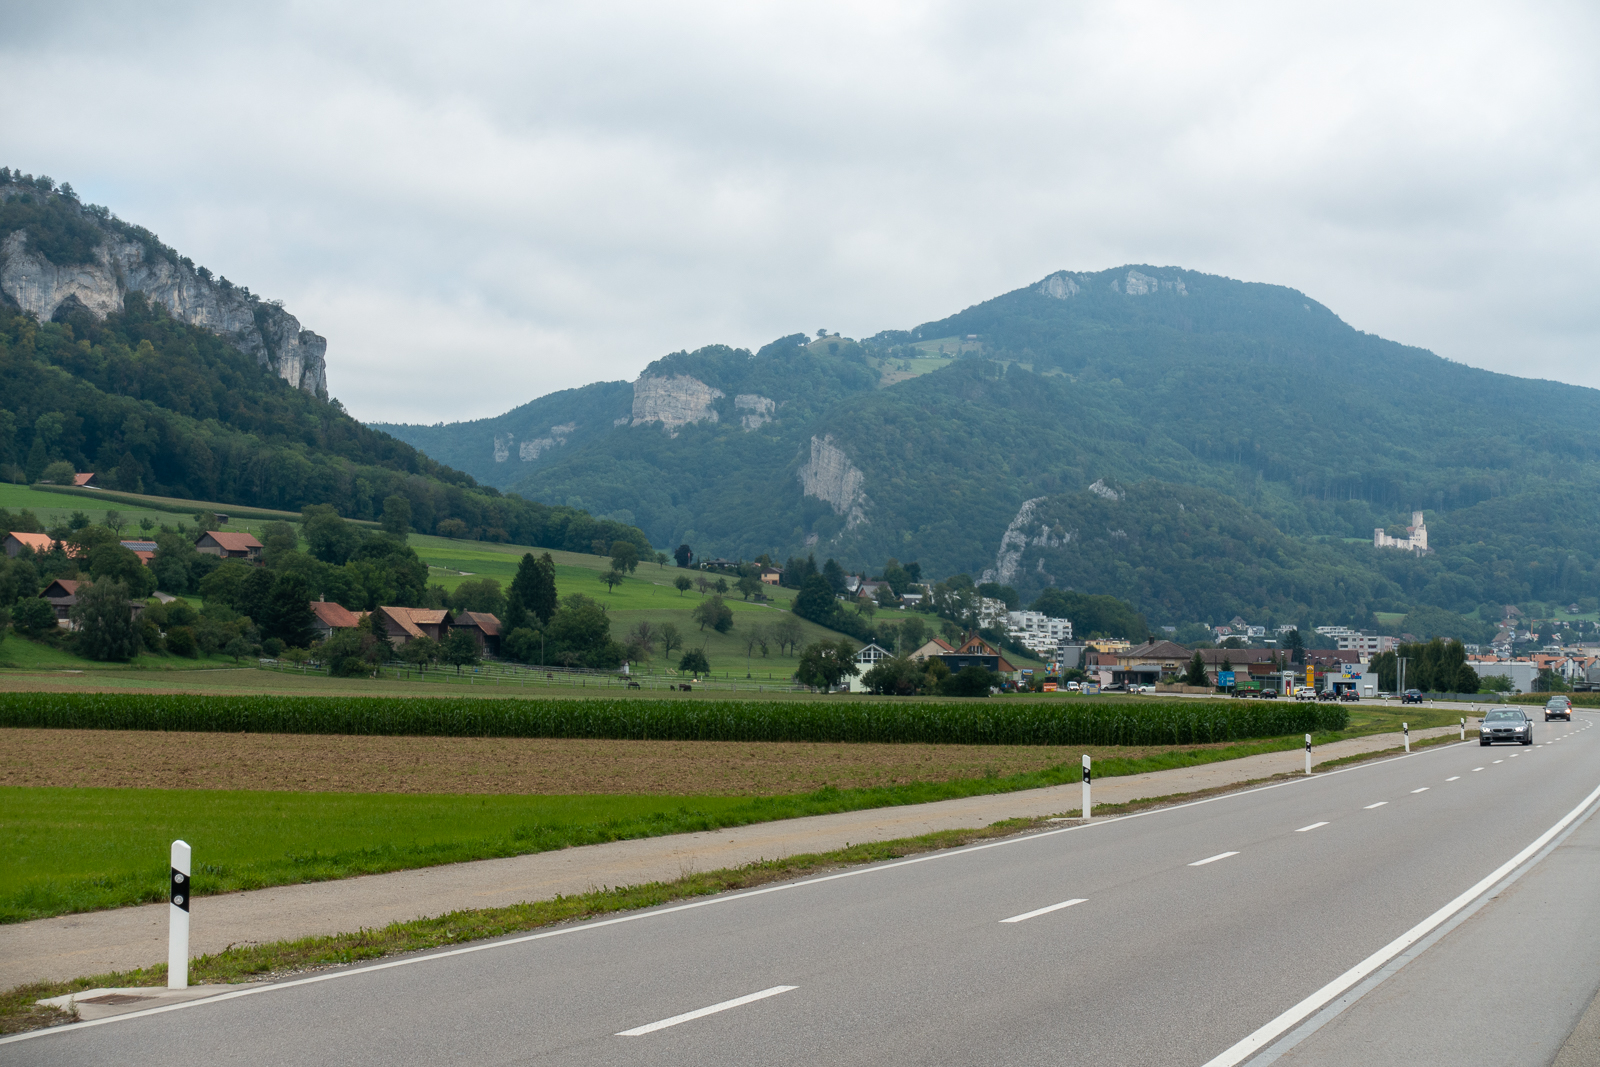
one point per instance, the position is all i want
(1308, 754)
(1086, 775)
(1407, 728)
(1463, 728)
(178, 916)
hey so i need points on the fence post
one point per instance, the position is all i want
(178, 919)
(1087, 774)
(1407, 728)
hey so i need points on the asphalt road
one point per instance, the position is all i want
(1193, 929)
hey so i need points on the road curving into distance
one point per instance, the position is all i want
(1436, 907)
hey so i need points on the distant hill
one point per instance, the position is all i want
(121, 357)
(1301, 433)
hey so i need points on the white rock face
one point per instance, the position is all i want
(757, 410)
(1100, 488)
(1012, 544)
(1061, 286)
(674, 401)
(265, 331)
(528, 451)
(831, 477)
(1137, 284)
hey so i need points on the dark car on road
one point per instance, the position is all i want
(1558, 708)
(1350, 696)
(1506, 724)
(1411, 696)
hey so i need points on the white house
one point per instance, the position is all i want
(867, 658)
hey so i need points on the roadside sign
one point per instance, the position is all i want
(1225, 678)
(1049, 687)
(1311, 676)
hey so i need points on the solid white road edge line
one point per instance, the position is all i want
(1313, 826)
(485, 946)
(701, 1013)
(1332, 1011)
(1044, 911)
(1242, 1050)
(1212, 859)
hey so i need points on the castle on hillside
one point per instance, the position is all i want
(1417, 541)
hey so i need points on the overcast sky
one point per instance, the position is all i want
(478, 204)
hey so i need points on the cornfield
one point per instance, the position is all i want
(1033, 722)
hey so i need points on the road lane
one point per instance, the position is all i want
(910, 962)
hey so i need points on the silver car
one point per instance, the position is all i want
(1506, 724)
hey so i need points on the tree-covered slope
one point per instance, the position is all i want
(1300, 432)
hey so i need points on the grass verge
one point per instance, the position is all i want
(19, 1010)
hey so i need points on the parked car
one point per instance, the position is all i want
(1558, 707)
(1506, 724)
(1350, 696)
(1411, 696)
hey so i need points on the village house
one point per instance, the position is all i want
(228, 545)
(404, 625)
(327, 617)
(976, 652)
(484, 628)
(771, 576)
(62, 595)
(936, 647)
(38, 542)
(145, 550)
(866, 658)
(1150, 663)
(85, 481)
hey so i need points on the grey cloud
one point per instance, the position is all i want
(481, 203)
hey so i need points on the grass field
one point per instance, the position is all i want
(647, 594)
(71, 849)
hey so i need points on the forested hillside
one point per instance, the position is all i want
(1284, 432)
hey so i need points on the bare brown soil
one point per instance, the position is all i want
(342, 764)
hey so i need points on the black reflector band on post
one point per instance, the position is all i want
(180, 889)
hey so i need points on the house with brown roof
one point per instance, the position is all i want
(85, 481)
(327, 617)
(404, 625)
(936, 647)
(145, 550)
(976, 652)
(484, 628)
(63, 595)
(1150, 663)
(16, 542)
(228, 545)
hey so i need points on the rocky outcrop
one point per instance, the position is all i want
(829, 476)
(674, 401)
(530, 450)
(119, 266)
(1012, 544)
(757, 410)
(1136, 284)
(1059, 286)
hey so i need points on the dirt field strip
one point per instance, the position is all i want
(137, 759)
(63, 948)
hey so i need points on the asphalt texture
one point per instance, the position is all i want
(1164, 959)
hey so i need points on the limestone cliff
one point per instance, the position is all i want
(99, 279)
(756, 410)
(674, 401)
(831, 477)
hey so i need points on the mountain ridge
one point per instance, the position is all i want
(925, 443)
